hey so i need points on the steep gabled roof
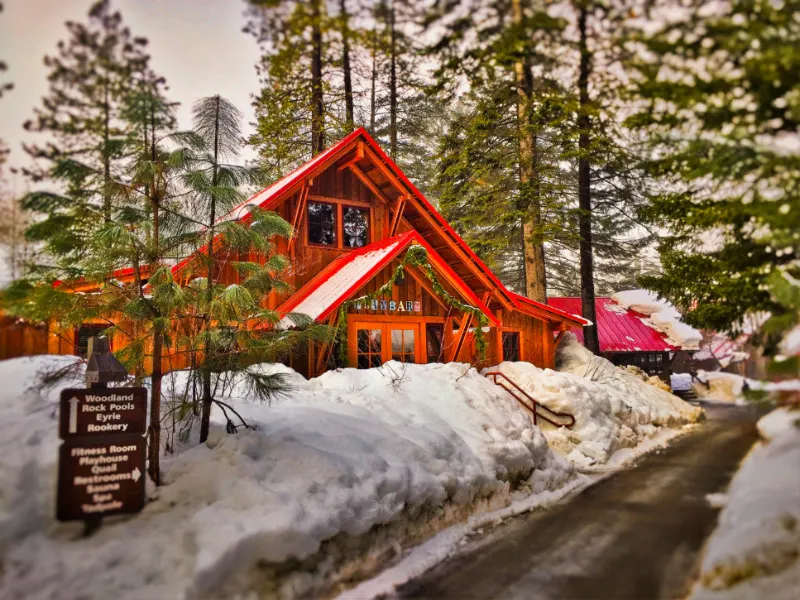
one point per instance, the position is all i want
(619, 329)
(343, 277)
(269, 197)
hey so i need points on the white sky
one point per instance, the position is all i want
(198, 45)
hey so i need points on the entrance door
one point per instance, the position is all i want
(374, 343)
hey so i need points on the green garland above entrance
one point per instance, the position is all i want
(416, 256)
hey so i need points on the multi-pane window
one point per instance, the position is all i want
(355, 222)
(324, 229)
(511, 346)
(369, 348)
(403, 348)
(322, 223)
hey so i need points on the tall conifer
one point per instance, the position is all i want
(721, 105)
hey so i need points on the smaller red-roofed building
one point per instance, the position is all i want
(626, 336)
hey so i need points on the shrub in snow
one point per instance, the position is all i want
(755, 550)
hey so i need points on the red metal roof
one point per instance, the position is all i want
(334, 284)
(619, 330)
(574, 317)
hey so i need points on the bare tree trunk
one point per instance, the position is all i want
(317, 105)
(205, 418)
(348, 81)
(158, 338)
(392, 84)
(588, 309)
(106, 157)
(372, 106)
(533, 244)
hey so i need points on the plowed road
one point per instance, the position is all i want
(635, 535)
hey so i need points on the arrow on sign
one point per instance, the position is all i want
(136, 474)
(73, 414)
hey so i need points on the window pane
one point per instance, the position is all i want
(375, 340)
(363, 340)
(375, 360)
(397, 341)
(363, 361)
(510, 346)
(408, 341)
(321, 223)
(356, 226)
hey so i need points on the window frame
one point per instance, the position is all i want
(339, 204)
(520, 345)
(336, 225)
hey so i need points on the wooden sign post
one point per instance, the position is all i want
(101, 464)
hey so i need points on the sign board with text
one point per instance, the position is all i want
(102, 412)
(101, 477)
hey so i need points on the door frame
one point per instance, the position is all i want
(386, 324)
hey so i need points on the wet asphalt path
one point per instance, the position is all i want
(634, 535)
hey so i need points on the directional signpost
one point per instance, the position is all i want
(101, 464)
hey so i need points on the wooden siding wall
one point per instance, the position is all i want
(536, 338)
(20, 338)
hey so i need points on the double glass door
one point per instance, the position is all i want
(377, 343)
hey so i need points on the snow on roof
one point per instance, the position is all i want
(618, 329)
(661, 315)
(344, 276)
(348, 274)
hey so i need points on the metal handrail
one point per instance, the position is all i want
(535, 405)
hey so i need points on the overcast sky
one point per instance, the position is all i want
(197, 45)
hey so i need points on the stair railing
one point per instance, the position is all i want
(539, 411)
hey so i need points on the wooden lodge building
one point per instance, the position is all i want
(355, 215)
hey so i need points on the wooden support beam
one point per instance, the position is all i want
(326, 349)
(398, 212)
(462, 334)
(423, 281)
(368, 182)
(359, 154)
(298, 217)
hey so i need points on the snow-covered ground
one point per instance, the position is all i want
(413, 448)
(755, 550)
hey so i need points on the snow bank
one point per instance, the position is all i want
(613, 408)
(345, 452)
(662, 316)
(729, 387)
(755, 550)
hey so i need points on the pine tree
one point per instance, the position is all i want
(293, 109)
(90, 78)
(500, 51)
(721, 105)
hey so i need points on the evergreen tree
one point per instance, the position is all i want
(292, 110)
(721, 105)
(91, 80)
(501, 51)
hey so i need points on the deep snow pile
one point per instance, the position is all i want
(729, 387)
(347, 451)
(661, 316)
(755, 550)
(613, 408)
